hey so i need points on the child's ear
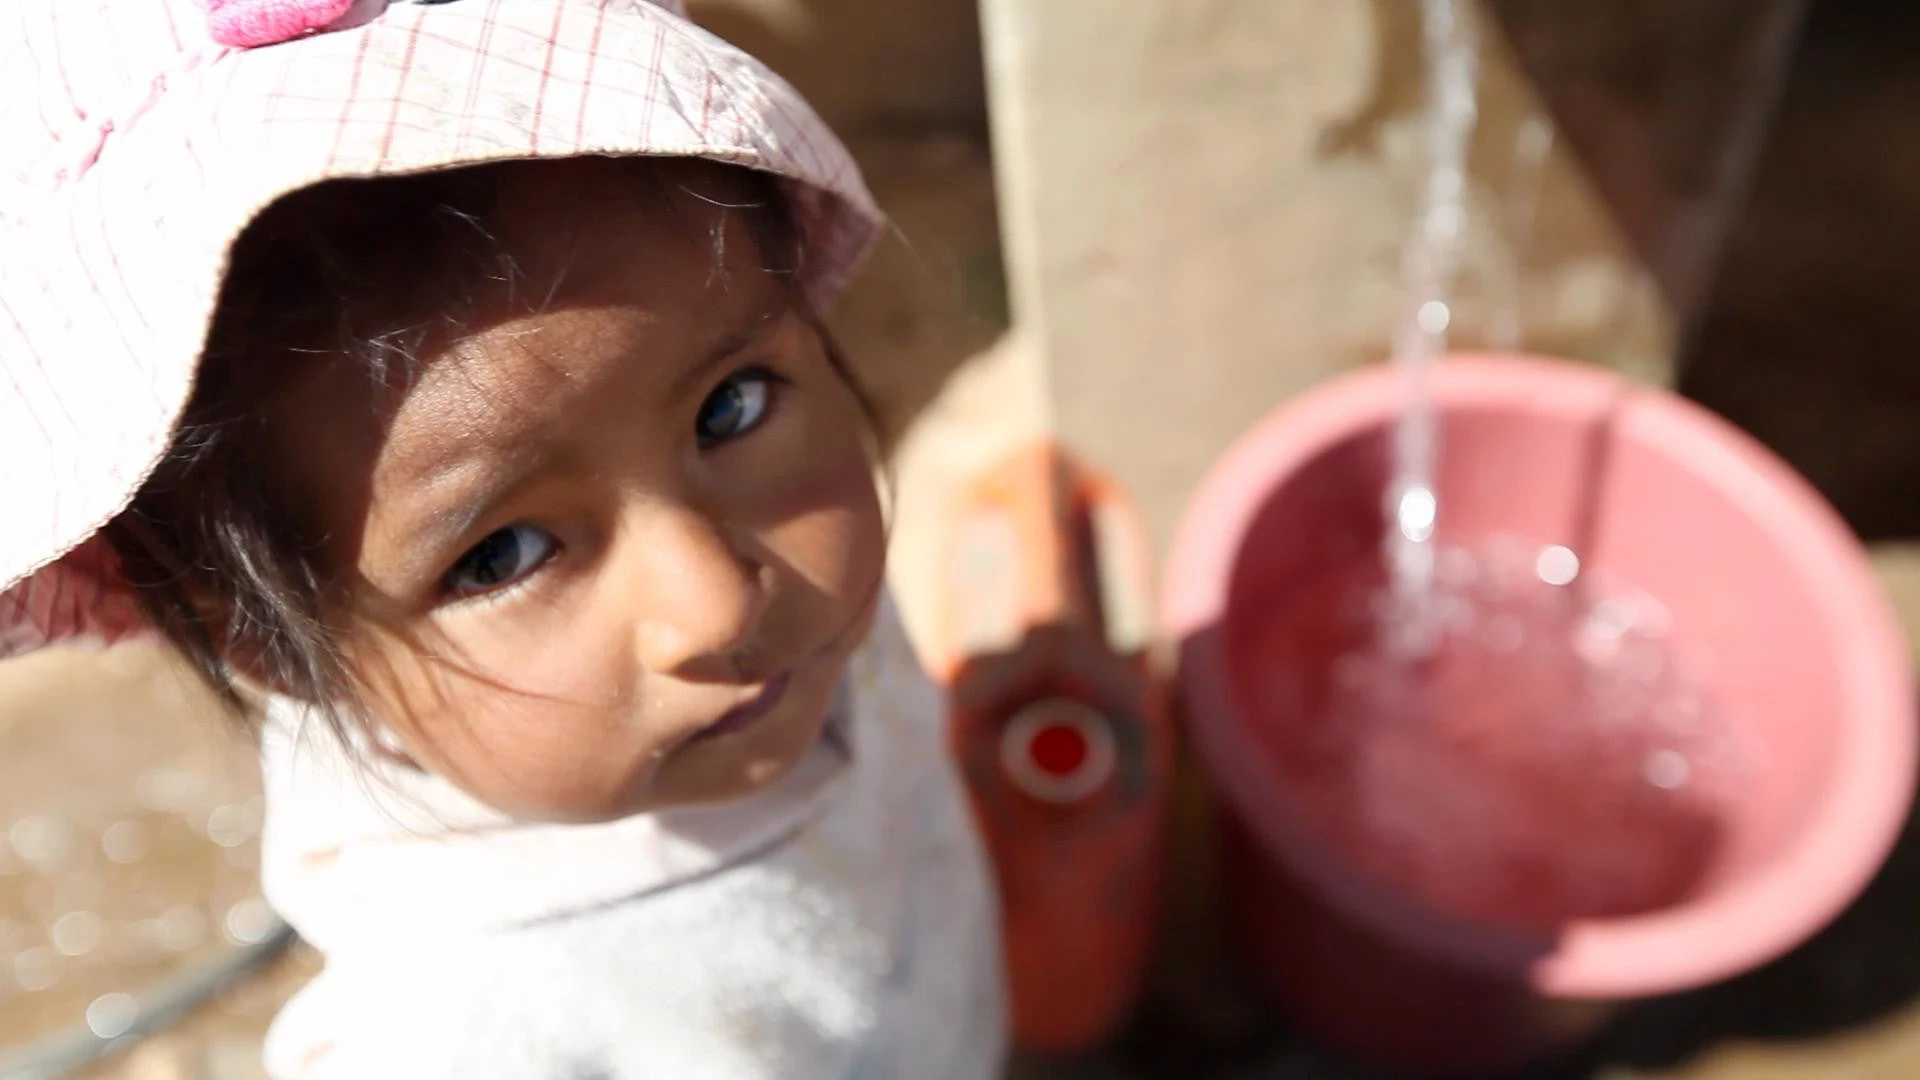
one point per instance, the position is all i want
(252, 681)
(385, 744)
(248, 668)
(249, 684)
(247, 675)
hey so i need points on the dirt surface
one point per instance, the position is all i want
(129, 818)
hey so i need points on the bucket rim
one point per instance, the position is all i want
(1732, 928)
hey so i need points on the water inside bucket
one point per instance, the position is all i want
(1545, 758)
(1507, 738)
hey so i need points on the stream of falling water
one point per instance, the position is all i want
(1452, 48)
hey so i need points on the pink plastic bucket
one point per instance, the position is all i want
(1766, 588)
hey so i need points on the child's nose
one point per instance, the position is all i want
(700, 597)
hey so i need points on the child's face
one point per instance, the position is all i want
(620, 540)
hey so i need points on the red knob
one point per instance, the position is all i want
(1059, 750)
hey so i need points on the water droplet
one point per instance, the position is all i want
(1557, 565)
(42, 841)
(180, 929)
(1666, 769)
(228, 826)
(77, 933)
(168, 791)
(126, 842)
(250, 922)
(1453, 613)
(112, 1015)
(1638, 660)
(1610, 618)
(1417, 513)
(1534, 138)
(37, 968)
(1434, 316)
(1413, 637)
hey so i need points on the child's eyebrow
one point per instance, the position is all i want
(436, 523)
(731, 344)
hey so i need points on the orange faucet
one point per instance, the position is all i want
(1061, 734)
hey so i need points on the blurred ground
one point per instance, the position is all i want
(1807, 339)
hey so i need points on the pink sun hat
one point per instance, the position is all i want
(141, 136)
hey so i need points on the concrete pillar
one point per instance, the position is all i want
(1203, 205)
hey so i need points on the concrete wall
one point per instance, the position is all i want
(865, 63)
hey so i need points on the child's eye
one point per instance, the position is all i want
(504, 557)
(735, 407)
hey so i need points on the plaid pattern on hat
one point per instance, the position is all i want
(137, 149)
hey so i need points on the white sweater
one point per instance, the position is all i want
(840, 925)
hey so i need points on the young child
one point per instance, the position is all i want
(450, 378)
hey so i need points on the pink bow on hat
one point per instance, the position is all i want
(247, 24)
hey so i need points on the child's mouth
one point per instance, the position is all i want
(745, 715)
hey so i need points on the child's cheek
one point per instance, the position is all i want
(550, 734)
(574, 648)
(508, 674)
(818, 511)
